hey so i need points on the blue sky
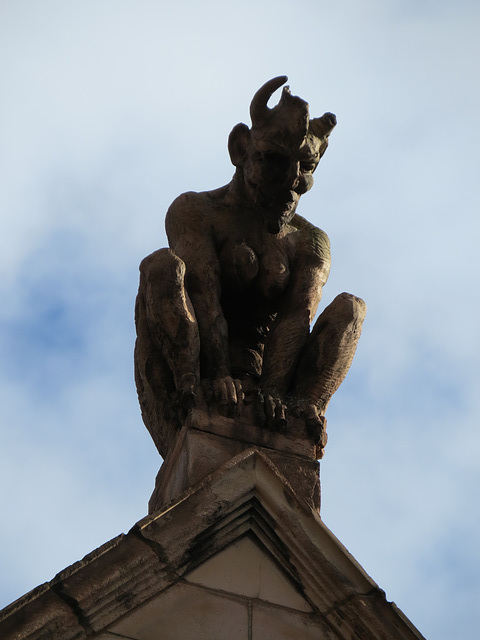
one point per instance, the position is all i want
(110, 109)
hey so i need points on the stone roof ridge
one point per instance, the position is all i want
(247, 499)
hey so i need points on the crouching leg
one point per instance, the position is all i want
(326, 360)
(167, 347)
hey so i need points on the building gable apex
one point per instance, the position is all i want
(173, 550)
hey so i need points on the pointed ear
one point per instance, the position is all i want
(238, 142)
(323, 127)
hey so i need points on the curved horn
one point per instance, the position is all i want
(258, 106)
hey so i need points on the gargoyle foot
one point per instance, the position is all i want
(187, 392)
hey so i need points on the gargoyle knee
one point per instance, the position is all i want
(163, 269)
(349, 308)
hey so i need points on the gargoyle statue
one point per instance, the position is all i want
(223, 316)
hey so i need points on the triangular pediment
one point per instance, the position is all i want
(233, 591)
(247, 569)
(236, 556)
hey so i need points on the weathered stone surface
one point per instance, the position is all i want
(247, 497)
(245, 568)
(277, 624)
(169, 574)
(186, 612)
(88, 595)
(371, 616)
(208, 441)
(293, 439)
(223, 316)
(40, 615)
(121, 578)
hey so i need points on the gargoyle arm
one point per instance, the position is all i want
(291, 329)
(186, 228)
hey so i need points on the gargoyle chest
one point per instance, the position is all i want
(267, 269)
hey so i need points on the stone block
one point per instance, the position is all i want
(119, 579)
(42, 615)
(207, 442)
(186, 612)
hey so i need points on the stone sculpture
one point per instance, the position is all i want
(223, 316)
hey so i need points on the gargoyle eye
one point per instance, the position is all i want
(275, 159)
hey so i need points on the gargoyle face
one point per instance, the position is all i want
(276, 175)
(279, 154)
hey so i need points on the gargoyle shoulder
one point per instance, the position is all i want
(184, 214)
(314, 241)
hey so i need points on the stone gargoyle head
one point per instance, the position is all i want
(276, 157)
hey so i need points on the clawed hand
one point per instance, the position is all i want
(275, 412)
(271, 409)
(228, 391)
